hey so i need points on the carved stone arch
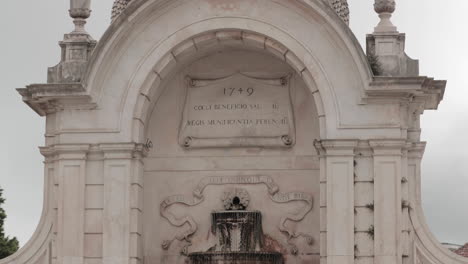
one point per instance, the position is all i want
(190, 49)
(142, 17)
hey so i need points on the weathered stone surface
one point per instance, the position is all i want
(127, 182)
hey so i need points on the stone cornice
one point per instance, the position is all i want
(50, 98)
(123, 150)
(423, 90)
(416, 150)
(101, 151)
(376, 147)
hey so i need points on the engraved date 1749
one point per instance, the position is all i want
(239, 91)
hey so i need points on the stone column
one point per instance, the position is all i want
(412, 184)
(51, 183)
(337, 200)
(122, 203)
(70, 166)
(388, 171)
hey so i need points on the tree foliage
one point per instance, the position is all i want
(8, 245)
(374, 63)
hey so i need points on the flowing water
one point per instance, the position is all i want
(240, 240)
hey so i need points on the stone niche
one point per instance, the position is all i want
(232, 119)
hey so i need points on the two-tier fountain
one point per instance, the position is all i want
(239, 234)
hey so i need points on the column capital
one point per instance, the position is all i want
(388, 147)
(81, 151)
(123, 150)
(416, 150)
(65, 152)
(336, 147)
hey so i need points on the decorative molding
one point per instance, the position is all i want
(198, 197)
(51, 98)
(123, 150)
(65, 152)
(388, 147)
(339, 147)
(81, 151)
(416, 150)
(427, 91)
(118, 7)
(241, 194)
(341, 8)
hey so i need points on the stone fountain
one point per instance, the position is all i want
(239, 234)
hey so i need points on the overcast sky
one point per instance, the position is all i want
(437, 35)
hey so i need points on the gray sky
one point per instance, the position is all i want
(437, 35)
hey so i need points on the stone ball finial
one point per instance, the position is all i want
(80, 10)
(384, 6)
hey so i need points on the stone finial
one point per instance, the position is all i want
(76, 47)
(385, 9)
(80, 11)
(386, 46)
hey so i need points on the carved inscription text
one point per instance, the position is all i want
(237, 111)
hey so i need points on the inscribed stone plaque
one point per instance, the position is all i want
(237, 111)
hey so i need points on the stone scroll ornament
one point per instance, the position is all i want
(198, 197)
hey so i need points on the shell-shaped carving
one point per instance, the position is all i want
(384, 6)
(118, 7)
(236, 199)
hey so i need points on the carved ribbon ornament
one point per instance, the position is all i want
(198, 197)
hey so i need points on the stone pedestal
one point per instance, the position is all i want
(387, 45)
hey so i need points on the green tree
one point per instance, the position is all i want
(8, 245)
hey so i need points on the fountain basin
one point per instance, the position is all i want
(239, 235)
